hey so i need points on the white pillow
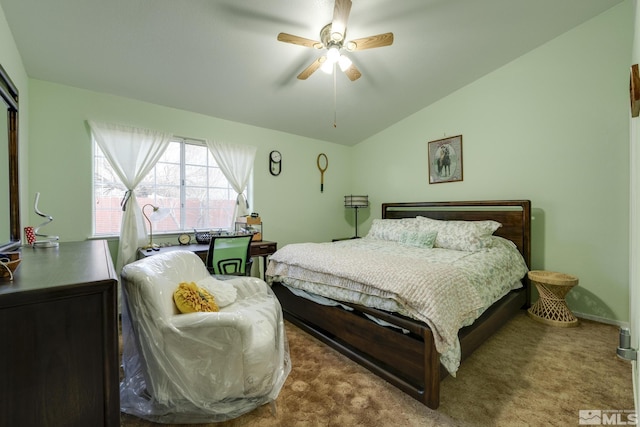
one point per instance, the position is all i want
(224, 293)
(392, 229)
(470, 236)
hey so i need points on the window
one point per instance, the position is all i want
(186, 180)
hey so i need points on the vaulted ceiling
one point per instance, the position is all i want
(221, 57)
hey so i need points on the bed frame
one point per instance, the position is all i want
(410, 361)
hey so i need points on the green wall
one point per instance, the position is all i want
(60, 168)
(551, 127)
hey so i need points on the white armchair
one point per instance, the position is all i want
(197, 367)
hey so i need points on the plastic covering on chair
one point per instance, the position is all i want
(197, 367)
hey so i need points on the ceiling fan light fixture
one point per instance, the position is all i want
(344, 62)
(333, 54)
(327, 67)
(333, 39)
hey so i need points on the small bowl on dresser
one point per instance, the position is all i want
(7, 268)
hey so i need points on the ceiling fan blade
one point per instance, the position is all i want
(300, 41)
(370, 42)
(353, 73)
(341, 12)
(304, 75)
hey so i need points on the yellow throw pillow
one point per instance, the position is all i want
(189, 298)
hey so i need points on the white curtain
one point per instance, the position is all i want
(132, 153)
(236, 163)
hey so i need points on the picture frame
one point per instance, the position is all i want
(445, 160)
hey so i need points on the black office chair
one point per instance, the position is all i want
(230, 255)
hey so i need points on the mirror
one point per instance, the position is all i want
(9, 200)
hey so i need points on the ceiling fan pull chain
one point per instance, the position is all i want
(335, 97)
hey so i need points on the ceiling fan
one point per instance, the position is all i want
(333, 39)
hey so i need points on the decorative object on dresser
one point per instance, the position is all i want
(356, 202)
(9, 262)
(49, 241)
(375, 338)
(445, 160)
(59, 359)
(29, 235)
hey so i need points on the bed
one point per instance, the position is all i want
(394, 346)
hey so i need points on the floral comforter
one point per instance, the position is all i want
(446, 289)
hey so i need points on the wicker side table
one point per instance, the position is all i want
(551, 308)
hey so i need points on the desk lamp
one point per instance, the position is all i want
(158, 214)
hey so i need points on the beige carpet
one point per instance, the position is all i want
(527, 374)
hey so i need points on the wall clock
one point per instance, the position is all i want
(634, 90)
(275, 163)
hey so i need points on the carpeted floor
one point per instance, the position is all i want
(528, 374)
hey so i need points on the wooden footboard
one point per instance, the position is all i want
(408, 361)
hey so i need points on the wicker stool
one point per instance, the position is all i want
(551, 308)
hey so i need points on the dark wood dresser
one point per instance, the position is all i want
(59, 338)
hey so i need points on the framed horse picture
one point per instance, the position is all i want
(445, 160)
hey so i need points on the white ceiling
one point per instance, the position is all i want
(221, 57)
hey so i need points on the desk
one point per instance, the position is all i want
(261, 249)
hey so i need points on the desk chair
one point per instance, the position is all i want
(230, 255)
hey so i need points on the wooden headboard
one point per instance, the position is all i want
(514, 215)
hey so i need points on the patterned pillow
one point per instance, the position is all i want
(391, 229)
(420, 239)
(189, 298)
(470, 236)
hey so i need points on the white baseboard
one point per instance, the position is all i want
(601, 319)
